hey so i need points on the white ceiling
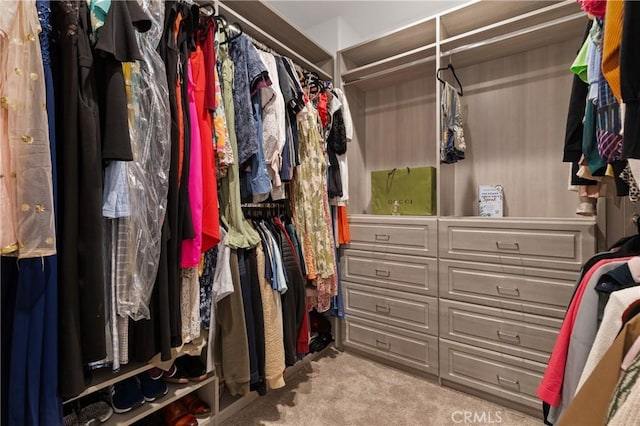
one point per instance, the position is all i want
(336, 24)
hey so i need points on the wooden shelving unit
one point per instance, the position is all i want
(265, 25)
(175, 393)
(105, 377)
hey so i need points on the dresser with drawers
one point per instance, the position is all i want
(477, 302)
(504, 285)
(390, 277)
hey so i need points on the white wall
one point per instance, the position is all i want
(342, 23)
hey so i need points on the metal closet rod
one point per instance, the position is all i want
(263, 205)
(392, 70)
(471, 46)
(525, 31)
(299, 59)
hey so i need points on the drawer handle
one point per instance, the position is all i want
(509, 381)
(383, 308)
(504, 336)
(507, 246)
(383, 345)
(383, 273)
(508, 291)
(383, 237)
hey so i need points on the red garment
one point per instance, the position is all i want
(209, 51)
(550, 389)
(210, 211)
(302, 347)
(594, 7)
(323, 102)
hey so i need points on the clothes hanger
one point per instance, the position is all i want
(236, 28)
(453, 71)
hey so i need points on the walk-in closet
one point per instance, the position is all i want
(218, 212)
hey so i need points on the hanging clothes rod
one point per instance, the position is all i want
(262, 205)
(252, 29)
(261, 46)
(392, 70)
(504, 37)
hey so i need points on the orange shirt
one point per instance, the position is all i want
(180, 111)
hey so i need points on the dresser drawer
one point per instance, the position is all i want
(560, 244)
(404, 273)
(404, 347)
(508, 377)
(393, 234)
(418, 313)
(515, 333)
(537, 291)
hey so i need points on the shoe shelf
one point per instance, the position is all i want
(176, 391)
(105, 377)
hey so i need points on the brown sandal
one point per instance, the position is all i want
(177, 414)
(195, 405)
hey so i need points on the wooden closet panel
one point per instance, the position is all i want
(400, 122)
(356, 151)
(619, 214)
(515, 111)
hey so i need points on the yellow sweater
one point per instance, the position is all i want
(611, 45)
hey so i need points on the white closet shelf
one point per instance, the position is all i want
(396, 75)
(105, 377)
(413, 36)
(175, 393)
(390, 65)
(313, 58)
(543, 34)
(480, 13)
(514, 24)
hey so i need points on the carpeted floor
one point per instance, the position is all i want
(344, 389)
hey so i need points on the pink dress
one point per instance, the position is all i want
(191, 247)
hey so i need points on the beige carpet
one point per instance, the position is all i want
(344, 389)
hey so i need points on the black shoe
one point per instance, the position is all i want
(193, 367)
(126, 395)
(176, 374)
(320, 342)
(95, 413)
(152, 389)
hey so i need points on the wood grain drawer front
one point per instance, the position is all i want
(404, 273)
(516, 380)
(537, 291)
(520, 243)
(525, 335)
(390, 234)
(419, 313)
(404, 347)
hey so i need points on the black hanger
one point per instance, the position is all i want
(453, 71)
(236, 28)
